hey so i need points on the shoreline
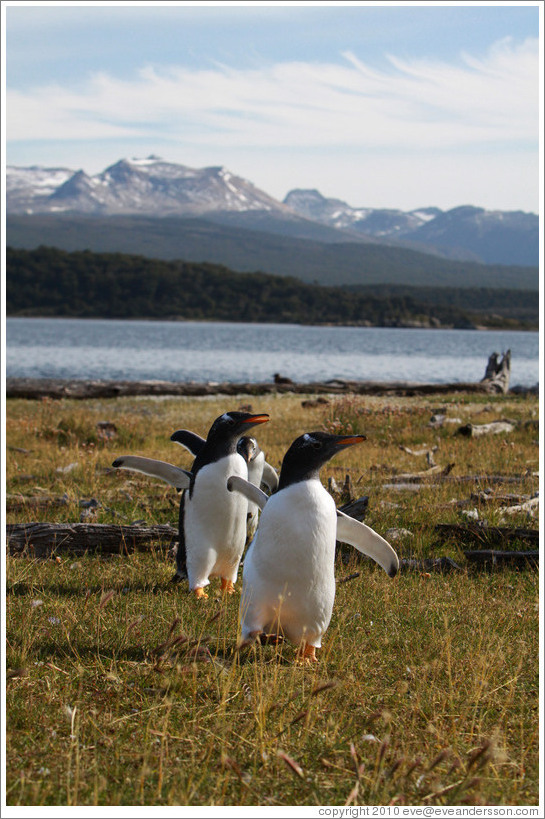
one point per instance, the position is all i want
(56, 388)
(513, 327)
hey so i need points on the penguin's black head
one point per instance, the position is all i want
(248, 448)
(231, 425)
(222, 437)
(310, 452)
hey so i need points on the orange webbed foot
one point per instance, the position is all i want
(306, 654)
(200, 593)
(227, 586)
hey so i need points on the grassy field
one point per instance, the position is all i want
(123, 689)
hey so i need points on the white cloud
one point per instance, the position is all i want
(492, 99)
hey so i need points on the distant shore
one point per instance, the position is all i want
(510, 325)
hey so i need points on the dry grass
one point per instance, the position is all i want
(124, 690)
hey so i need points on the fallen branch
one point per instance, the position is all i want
(490, 497)
(415, 481)
(434, 473)
(490, 478)
(523, 503)
(429, 564)
(418, 452)
(43, 539)
(14, 503)
(529, 507)
(477, 430)
(477, 533)
(488, 558)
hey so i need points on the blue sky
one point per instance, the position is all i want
(395, 105)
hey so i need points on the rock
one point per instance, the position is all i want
(397, 533)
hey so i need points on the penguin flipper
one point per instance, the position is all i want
(367, 541)
(269, 477)
(180, 478)
(251, 492)
(193, 442)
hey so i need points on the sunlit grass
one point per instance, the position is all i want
(124, 690)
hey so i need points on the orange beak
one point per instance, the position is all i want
(257, 419)
(351, 440)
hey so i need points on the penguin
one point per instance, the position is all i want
(260, 473)
(288, 581)
(212, 522)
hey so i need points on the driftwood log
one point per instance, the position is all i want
(429, 564)
(425, 565)
(509, 498)
(494, 479)
(498, 373)
(415, 484)
(529, 507)
(14, 502)
(493, 428)
(477, 559)
(434, 473)
(37, 388)
(44, 539)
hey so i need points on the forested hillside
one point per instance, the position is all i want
(238, 248)
(52, 282)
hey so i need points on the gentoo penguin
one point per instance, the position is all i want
(212, 526)
(288, 582)
(260, 473)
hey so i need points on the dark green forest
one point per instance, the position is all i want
(51, 282)
(522, 305)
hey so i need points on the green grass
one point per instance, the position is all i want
(124, 690)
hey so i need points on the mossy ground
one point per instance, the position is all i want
(123, 689)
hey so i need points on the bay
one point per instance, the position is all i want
(236, 352)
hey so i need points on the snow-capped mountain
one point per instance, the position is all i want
(377, 222)
(33, 185)
(501, 237)
(134, 186)
(155, 188)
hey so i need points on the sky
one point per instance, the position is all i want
(396, 105)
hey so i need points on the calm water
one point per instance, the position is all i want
(203, 351)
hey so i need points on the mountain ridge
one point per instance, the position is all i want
(152, 187)
(465, 231)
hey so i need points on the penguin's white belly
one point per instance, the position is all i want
(289, 579)
(255, 473)
(215, 522)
